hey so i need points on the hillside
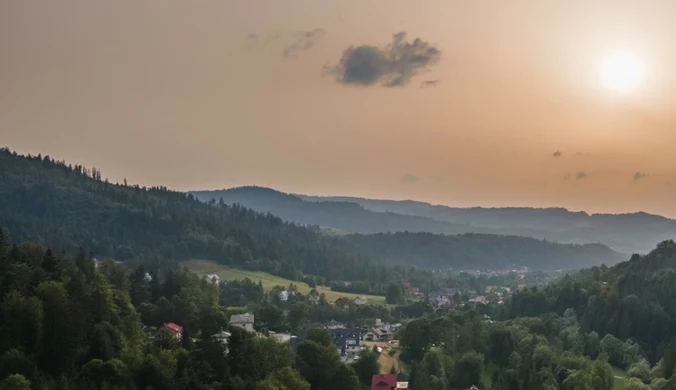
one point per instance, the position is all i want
(628, 233)
(480, 251)
(347, 217)
(632, 300)
(71, 207)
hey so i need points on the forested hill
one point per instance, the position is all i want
(346, 217)
(633, 300)
(480, 251)
(629, 233)
(68, 207)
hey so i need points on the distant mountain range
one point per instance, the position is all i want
(628, 233)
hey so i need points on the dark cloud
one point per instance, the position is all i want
(409, 178)
(303, 40)
(558, 153)
(580, 175)
(429, 83)
(391, 66)
(669, 183)
(567, 176)
(640, 175)
(578, 154)
(252, 37)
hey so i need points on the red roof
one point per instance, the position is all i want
(174, 328)
(384, 382)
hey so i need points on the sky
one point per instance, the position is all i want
(456, 102)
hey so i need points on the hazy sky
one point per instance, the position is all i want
(213, 94)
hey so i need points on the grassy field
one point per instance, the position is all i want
(203, 267)
(619, 378)
(386, 361)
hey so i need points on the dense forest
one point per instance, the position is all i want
(71, 322)
(69, 207)
(633, 301)
(479, 251)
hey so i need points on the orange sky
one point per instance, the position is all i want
(179, 93)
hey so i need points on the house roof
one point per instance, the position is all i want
(174, 328)
(383, 380)
(246, 318)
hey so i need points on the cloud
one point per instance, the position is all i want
(252, 37)
(409, 178)
(567, 176)
(558, 153)
(669, 183)
(303, 40)
(639, 175)
(578, 154)
(429, 83)
(580, 175)
(391, 66)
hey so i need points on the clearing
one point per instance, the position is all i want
(203, 267)
(386, 360)
(619, 377)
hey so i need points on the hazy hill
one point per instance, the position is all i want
(636, 232)
(481, 251)
(347, 217)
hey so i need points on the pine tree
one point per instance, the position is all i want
(49, 262)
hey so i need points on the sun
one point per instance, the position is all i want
(621, 72)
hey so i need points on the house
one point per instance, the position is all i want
(347, 341)
(281, 337)
(333, 324)
(360, 301)
(473, 388)
(221, 336)
(384, 382)
(283, 295)
(213, 278)
(481, 300)
(147, 277)
(244, 321)
(176, 330)
(402, 385)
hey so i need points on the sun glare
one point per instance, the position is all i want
(621, 72)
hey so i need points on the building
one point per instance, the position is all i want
(244, 321)
(283, 295)
(384, 382)
(221, 336)
(360, 301)
(347, 341)
(213, 278)
(176, 330)
(281, 337)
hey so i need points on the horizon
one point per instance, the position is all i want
(224, 94)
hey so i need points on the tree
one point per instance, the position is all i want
(640, 370)
(395, 294)
(299, 313)
(284, 379)
(415, 339)
(366, 366)
(420, 378)
(15, 382)
(468, 370)
(319, 335)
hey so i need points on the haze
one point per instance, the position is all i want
(501, 104)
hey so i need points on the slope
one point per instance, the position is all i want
(637, 232)
(68, 207)
(480, 251)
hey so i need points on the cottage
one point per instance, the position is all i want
(176, 330)
(360, 301)
(283, 295)
(213, 278)
(281, 337)
(384, 382)
(244, 321)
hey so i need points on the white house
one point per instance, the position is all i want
(244, 321)
(359, 301)
(213, 278)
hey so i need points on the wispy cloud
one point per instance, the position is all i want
(640, 175)
(409, 178)
(429, 83)
(393, 65)
(303, 41)
(580, 175)
(558, 153)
